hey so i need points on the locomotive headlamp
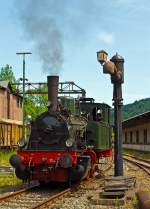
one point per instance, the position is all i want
(69, 143)
(102, 56)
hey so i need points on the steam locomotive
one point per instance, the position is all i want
(67, 141)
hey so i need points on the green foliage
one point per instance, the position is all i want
(136, 108)
(35, 104)
(133, 109)
(6, 73)
(33, 108)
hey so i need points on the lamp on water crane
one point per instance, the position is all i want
(102, 56)
(115, 67)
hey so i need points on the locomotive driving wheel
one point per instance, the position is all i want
(92, 171)
(88, 175)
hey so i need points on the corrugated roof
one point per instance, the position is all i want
(137, 120)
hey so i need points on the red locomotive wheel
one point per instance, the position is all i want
(88, 175)
(92, 171)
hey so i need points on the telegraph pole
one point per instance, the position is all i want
(23, 54)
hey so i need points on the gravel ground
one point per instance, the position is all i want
(81, 199)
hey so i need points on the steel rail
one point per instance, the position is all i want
(137, 158)
(142, 196)
(61, 194)
(144, 167)
(65, 192)
(20, 192)
(51, 199)
(29, 198)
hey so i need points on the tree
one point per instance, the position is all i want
(6, 73)
(34, 104)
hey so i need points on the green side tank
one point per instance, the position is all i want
(99, 135)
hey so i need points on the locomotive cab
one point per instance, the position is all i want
(99, 130)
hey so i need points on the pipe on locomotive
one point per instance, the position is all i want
(53, 83)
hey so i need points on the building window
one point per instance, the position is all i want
(145, 136)
(130, 137)
(125, 136)
(137, 137)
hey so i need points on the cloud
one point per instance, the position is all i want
(125, 1)
(106, 37)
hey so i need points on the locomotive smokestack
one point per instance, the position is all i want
(53, 82)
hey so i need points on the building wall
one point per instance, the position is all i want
(3, 103)
(139, 147)
(10, 106)
(137, 135)
(15, 108)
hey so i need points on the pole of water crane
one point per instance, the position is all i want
(117, 98)
(115, 68)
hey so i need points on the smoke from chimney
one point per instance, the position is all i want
(40, 27)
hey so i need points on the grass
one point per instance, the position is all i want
(140, 154)
(9, 179)
(5, 156)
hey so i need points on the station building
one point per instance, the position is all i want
(136, 132)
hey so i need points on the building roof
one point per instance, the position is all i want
(6, 85)
(137, 120)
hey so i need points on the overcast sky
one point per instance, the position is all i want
(64, 36)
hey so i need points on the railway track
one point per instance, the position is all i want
(143, 164)
(31, 198)
(37, 197)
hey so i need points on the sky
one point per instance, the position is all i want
(64, 36)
